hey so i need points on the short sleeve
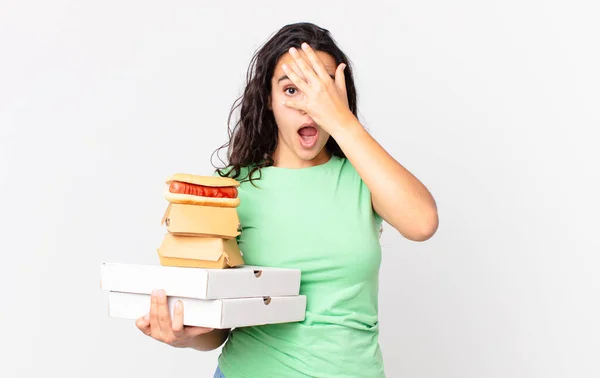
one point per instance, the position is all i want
(364, 193)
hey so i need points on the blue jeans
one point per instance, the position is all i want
(218, 373)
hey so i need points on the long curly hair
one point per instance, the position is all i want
(253, 139)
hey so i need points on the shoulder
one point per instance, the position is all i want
(354, 183)
(240, 174)
(346, 170)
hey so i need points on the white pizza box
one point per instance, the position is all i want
(214, 313)
(201, 283)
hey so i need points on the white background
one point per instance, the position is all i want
(492, 104)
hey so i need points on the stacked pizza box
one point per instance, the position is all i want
(201, 265)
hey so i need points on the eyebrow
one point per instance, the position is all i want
(285, 77)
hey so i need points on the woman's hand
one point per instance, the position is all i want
(325, 99)
(157, 324)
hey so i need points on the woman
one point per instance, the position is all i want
(315, 188)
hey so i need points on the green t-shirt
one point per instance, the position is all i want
(321, 221)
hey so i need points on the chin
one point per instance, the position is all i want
(311, 154)
(306, 155)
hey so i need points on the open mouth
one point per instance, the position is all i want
(308, 136)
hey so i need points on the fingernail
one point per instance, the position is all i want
(178, 305)
(305, 45)
(154, 293)
(147, 317)
(161, 293)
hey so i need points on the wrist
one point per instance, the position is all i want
(346, 126)
(209, 341)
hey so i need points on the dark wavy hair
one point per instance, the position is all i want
(253, 140)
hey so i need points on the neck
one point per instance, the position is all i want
(288, 159)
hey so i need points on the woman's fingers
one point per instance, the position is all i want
(177, 326)
(298, 71)
(164, 318)
(295, 105)
(340, 81)
(181, 332)
(316, 63)
(159, 325)
(308, 72)
(154, 327)
(295, 78)
(143, 324)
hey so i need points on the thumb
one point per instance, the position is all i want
(293, 104)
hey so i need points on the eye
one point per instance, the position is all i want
(292, 89)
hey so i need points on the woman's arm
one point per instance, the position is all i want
(211, 340)
(397, 196)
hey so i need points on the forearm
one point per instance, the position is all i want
(211, 340)
(397, 195)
